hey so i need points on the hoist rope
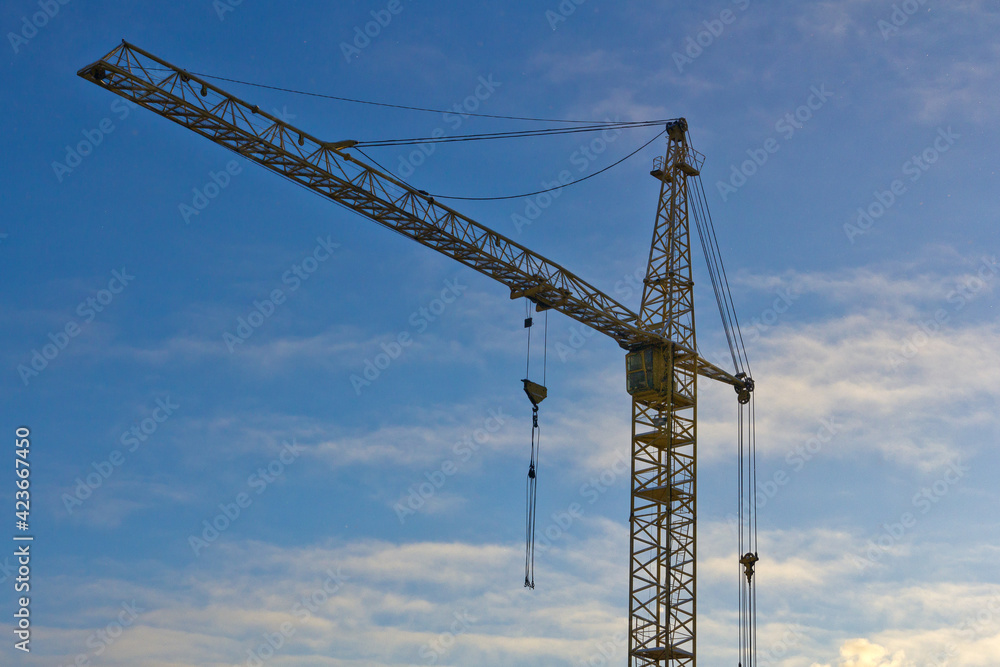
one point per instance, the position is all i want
(753, 588)
(374, 161)
(746, 440)
(718, 276)
(531, 500)
(516, 134)
(753, 450)
(714, 275)
(377, 104)
(588, 126)
(531, 482)
(740, 532)
(536, 442)
(523, 194)
(545, 346)
(747, 541)
(527, 325)
(557, 187)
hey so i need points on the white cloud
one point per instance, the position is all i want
(402, 597)
(390, 604)
(862, 653)
(896, 380)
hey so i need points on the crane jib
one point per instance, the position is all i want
(328, 169)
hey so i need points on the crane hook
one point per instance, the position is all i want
(748, 561)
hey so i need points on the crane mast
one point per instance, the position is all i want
(662, 363)
(662, 379)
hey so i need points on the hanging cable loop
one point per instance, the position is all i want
(536, 394)
(747, 547)
(530, 497)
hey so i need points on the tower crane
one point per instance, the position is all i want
(662, 363)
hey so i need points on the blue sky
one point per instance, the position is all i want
(851, 170)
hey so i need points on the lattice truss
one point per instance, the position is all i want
(663, 556)
(662, 365)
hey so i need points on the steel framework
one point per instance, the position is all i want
(663, 559)
(662, 364)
